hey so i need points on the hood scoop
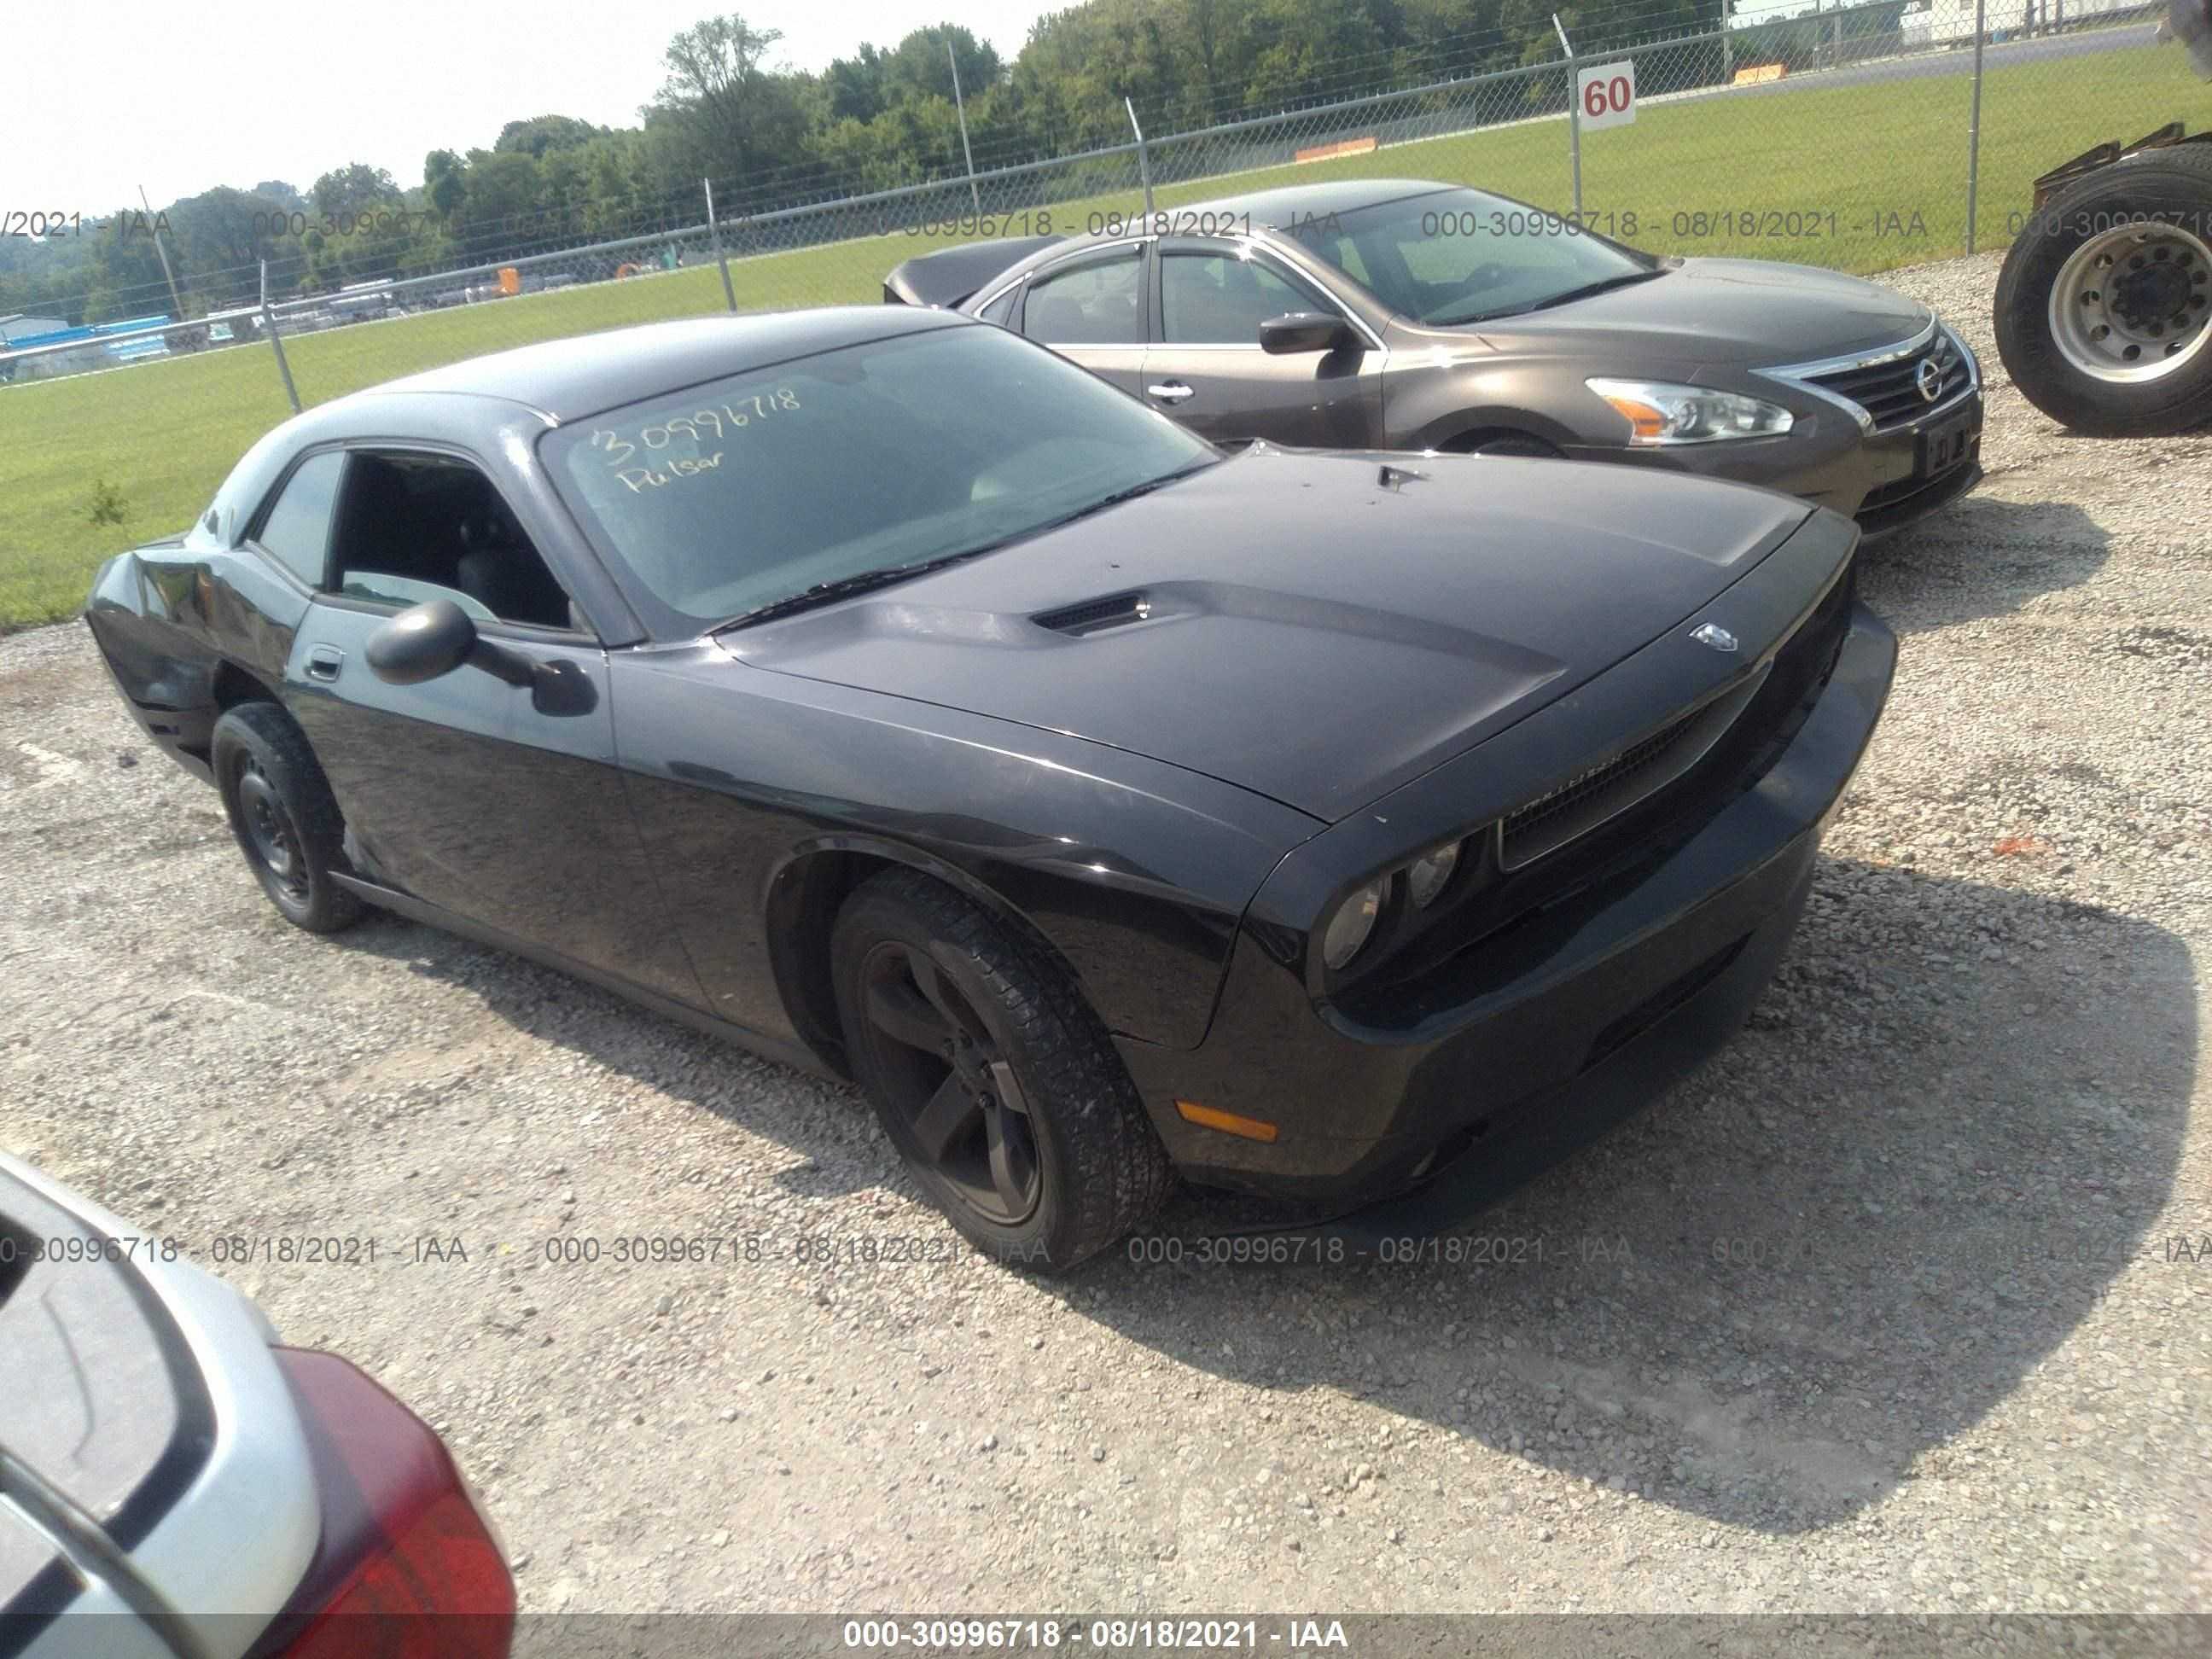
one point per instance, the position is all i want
(1096, 616)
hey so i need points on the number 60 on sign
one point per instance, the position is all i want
(1605, 95)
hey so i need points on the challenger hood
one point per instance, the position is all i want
(1727, 312)
(1309, 626)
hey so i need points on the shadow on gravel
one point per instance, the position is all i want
(1842, 1242)
(1949, 1126)
(1978, 558)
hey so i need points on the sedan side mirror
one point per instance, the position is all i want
(1297, 331)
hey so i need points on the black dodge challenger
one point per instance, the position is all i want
(885, 692)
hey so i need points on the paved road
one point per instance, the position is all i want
(2005, 55)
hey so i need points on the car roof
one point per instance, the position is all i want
(566, 379)
(1262, 210)
(1272, 207)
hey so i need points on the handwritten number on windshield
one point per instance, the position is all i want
(701, 425)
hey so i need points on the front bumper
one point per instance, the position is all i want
(1641, 989)
(1881, 479)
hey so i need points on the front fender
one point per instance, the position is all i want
(1134, 872)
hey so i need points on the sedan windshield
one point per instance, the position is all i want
(1463, 256)
(831, 474)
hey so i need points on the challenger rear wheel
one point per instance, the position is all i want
(284, 815)
(991, 1075)
(2104, 308)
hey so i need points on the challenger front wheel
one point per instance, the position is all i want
(991, 1075)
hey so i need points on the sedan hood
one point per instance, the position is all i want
(1725, 312)
(1317, 628)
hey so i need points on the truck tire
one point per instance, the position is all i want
(2104, 308)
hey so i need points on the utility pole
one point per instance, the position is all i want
(961, 108)
(175, 298)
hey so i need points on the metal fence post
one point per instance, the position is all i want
(714, 236)
(1144, 163)
(1974, 126)
(1574, 116)
(277, 341)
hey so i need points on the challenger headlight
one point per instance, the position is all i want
(1431, 873)
(1351, 924)
(1660, 413)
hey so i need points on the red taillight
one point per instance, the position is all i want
(407, 1567)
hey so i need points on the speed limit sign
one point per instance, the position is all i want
(1605, 95)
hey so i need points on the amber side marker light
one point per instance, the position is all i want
(1228, 1124)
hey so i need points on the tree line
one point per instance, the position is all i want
(771, 135)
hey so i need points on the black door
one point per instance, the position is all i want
(489, 799)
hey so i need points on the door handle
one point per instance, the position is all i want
(324, 662)
(1171, 392)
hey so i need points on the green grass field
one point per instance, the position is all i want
(1853, 164)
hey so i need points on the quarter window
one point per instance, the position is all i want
(1217, 299)
(296, 533)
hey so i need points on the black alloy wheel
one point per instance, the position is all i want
(992, 1077)
(966, 1115)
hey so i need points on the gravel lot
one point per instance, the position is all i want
(1895, 1306)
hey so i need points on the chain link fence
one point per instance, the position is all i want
(1859, 138)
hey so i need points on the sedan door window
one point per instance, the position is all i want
(1220, 299)
(1097, 301)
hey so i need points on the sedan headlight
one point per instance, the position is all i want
(1351, 924)
(1660, 413)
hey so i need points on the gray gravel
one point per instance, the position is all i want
(1884, 1310)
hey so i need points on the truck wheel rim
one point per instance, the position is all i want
(2131, 304)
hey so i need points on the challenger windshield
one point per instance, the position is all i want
(765, 492)
(1462, 256)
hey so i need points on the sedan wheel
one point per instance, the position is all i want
(991, 1075)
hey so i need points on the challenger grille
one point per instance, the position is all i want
(1573, 809)
(1890, 392)
(1552, 862)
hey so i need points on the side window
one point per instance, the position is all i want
(413, 527)
(1002, 308)
(296, 532)
(1217, 299)
(1097, 302)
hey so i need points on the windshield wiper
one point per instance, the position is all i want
(1623, 280)
(1120, 496)
(844, 587)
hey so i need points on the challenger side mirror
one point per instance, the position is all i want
(435, 638)
(1297, 331)
(421, 642)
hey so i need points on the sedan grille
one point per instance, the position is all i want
(1890, 392)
